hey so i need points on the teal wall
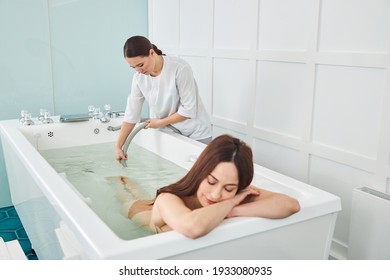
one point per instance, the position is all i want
(63, 55)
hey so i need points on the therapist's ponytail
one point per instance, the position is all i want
(139, 46)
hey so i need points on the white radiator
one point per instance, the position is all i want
(369, 232)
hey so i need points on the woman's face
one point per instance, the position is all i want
(142, 64)
(219, 185)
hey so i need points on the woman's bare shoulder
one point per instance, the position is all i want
(167, 198)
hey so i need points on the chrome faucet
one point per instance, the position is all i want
(114, 128)
(27, 121)
(108, 114)
(46, 118)
(106, 117)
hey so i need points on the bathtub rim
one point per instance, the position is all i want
(97, 247)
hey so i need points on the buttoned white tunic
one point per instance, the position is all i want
(174, 90)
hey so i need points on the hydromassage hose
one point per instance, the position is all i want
(129, 138)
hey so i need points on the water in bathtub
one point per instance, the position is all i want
(95, 173)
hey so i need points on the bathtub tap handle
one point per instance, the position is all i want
(23, 114)
(116, 114)
(41, 116)
(114, 128)
(105, 118)
(107, 114)
(46, 118)
(27, 119)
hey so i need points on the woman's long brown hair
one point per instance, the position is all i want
(224, 148)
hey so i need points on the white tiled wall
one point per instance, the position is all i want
(305, 82)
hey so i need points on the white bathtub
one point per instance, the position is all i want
(61, 225)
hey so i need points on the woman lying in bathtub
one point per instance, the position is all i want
(216, 187)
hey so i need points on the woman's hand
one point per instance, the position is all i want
(269, 204)
(244, 194)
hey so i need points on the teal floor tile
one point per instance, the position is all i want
(12, 228)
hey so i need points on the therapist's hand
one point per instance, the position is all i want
(154, 123)
(119, 155)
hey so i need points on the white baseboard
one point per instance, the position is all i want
(338, 250)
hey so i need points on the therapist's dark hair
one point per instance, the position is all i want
(139, 46)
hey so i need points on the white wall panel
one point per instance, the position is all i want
(217, 130)
(348, 107)
(280, 158)
(339, 179)
(196, 23)
(234, 22)
(355, 25)
(164, 29)
(232, 87)
(283, 24)
(280, 105)
(305, 82)
(387, 185)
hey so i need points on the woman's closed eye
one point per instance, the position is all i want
(211, 181)
(230, 188)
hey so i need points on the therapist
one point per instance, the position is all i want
(168, 85)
